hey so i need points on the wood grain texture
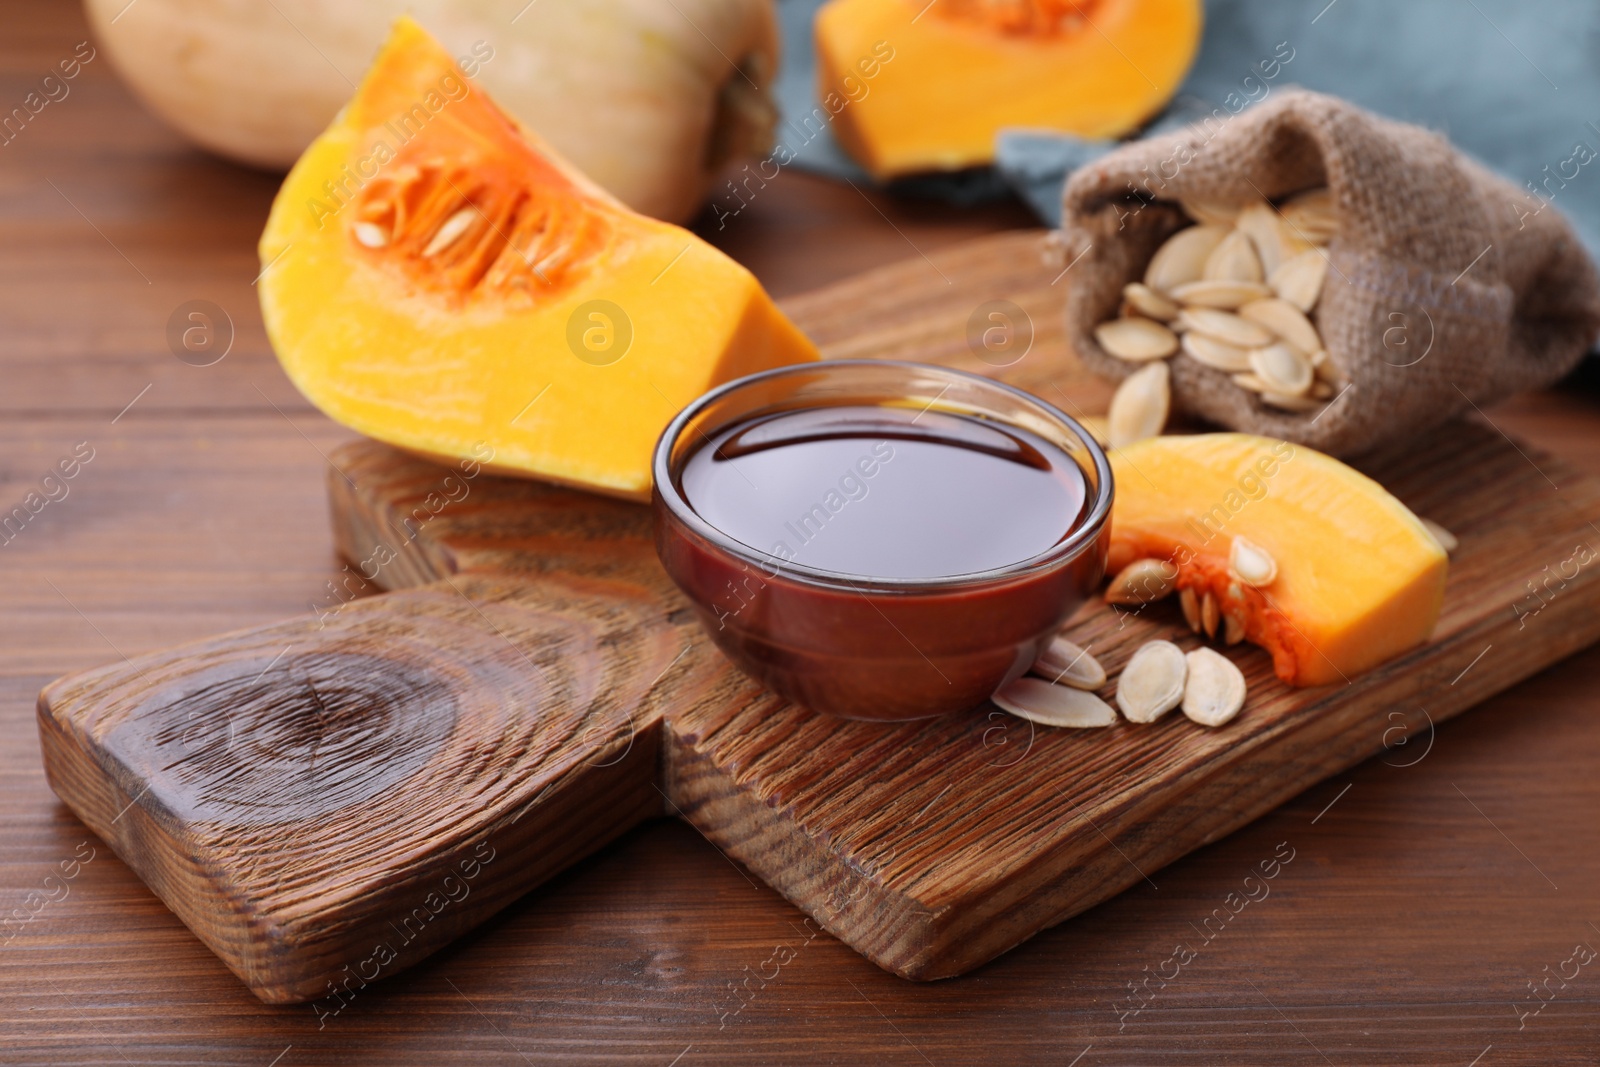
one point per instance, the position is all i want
(934, 846)
(968, 847)
(1432, 882)
(329, 800)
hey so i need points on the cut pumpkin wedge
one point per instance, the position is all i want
(1358, 578)
(436, 277)
(916, 86)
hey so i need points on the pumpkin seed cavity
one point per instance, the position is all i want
(459, 230)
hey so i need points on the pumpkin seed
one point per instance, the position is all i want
(1311, 214)
(1224, 326)
(1319, 198)
(1299, 405)
(1321, 390)
(1142, 581)
(1152, 683)
(1259, 222)
(1183, 257)
(1251, 564)
(1232, 628)
(1250, 382)
(1285, 320)
(1208, 614)
(1299, 280)
(1214, 689)
(453, 228)
(1146, 301)
(1139, 406)
(1211, 212)
(1191, 607)
(1447, 540)
(371, 234)
(1227, 295)
(1064, 663)
(1039, 701)
(1292, 244)
(1203, 349)
(1283, 368)
(1233, 260)
(1135, 339)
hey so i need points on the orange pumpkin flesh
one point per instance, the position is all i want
(914, 86)
(1360, 579)
(437, 278)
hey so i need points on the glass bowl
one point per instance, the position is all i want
(859, 645)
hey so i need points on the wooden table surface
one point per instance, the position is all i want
(1429, 889)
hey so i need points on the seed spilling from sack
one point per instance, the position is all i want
(1233, 260)
(1285, 320)
(1227, 295)
(1146, 301)
(1299, 280)
(1234, 292)
(1183, 258)
(1136, 340)
(1219, 354)
(1282, 369)
(1366, 225)
(1223, 326)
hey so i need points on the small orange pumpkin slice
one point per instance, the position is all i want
(1355, 578)
(913, 86)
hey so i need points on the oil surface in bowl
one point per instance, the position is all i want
(886, 492)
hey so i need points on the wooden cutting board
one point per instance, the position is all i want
(327, 800)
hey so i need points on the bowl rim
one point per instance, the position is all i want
(1082, 537)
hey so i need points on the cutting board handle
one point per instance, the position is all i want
(319, 798)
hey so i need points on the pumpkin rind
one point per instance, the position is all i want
(432, 282)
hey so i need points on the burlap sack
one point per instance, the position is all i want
(1448, 286)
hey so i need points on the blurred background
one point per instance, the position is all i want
(734, 97)
(141, 145)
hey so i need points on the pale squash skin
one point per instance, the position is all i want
(631, 91)
(1360, 578)
(922, 87)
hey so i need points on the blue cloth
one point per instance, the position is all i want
(1515, 84)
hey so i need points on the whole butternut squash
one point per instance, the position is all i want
(649, 99)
